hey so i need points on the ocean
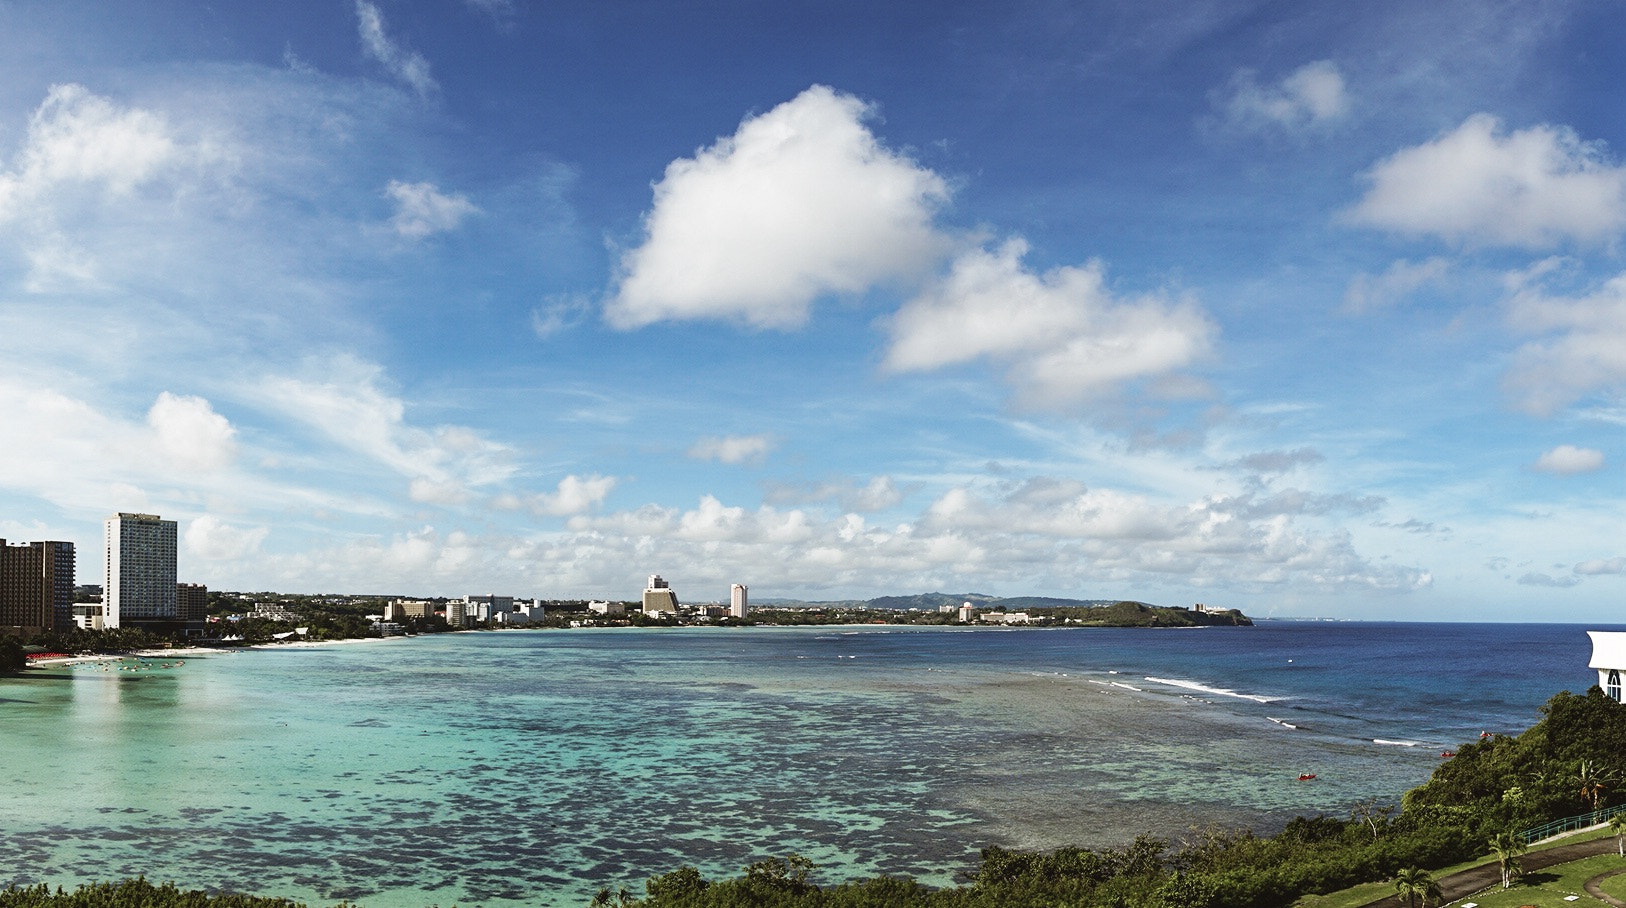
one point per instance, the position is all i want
(533, 767)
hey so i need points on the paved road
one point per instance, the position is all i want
(1474, 879)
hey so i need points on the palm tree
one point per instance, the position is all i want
(1414, 884)
(1594, 782)
(1617, 825)
(1507, 847)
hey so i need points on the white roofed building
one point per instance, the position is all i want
(1609, 658)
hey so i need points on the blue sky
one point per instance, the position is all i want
(1304, 308)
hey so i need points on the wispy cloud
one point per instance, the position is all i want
(399, 60)
(560, 313)
(421, 209)
(1367, 292)
(1579, 343)
(733, 448)
(342, 400)
(1311, 96)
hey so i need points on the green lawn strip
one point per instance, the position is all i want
(1548, 888)
(1616, 885)
(1366, 892)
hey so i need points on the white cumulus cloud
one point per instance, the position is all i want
(576, 495)
(1568, 460)
(1481, 186)
(800, 202)
(421, 209)
(1063, 334)
(190, 433)
(1602, 566)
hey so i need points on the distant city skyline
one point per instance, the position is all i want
(1310, 309)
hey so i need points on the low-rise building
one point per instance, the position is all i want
(399, 609)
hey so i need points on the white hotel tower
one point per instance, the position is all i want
(736, 600)
(140, 570)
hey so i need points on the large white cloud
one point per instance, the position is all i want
(800, 202)
(1063, 334)
(1480, 186)
(1579, 343)
(76, 137)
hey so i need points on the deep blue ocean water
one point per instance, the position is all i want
(534, 766)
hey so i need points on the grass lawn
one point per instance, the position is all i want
(1543, 889)
(1549, 888)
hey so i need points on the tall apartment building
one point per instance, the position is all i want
(658, 597)
(737, 604)
(140, 584)
(36, 586)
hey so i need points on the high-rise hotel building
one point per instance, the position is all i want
(36, 587)
(140, 583)
(737, 600)
(658, 597)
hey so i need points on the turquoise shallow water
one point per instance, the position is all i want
(533, 767)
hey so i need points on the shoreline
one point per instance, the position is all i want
(188, 652)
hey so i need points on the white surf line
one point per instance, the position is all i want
(1282, 722)
(1218, 691)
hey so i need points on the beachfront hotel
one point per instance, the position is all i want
(140, 585)
(658, 597)
(36, 587)
(737, 600)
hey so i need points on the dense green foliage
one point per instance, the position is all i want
(137, 893)
(1139, 614)
(12, 658)
(1567, 764)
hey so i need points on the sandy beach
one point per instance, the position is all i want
(188, 652)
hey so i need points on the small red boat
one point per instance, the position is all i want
(1306, 777)
(1447, 754)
